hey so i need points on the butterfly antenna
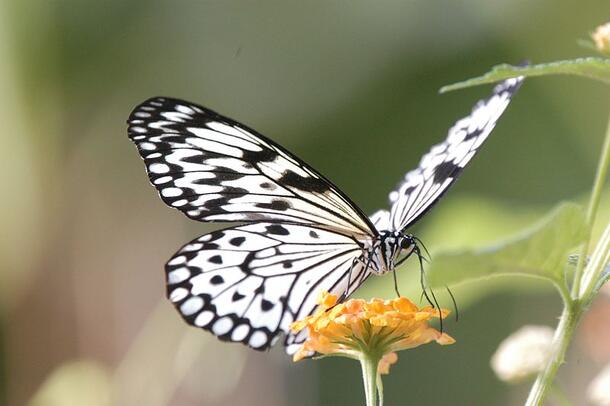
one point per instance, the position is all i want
(434, 301)
(438, 307)
(395, 282)
(422, 274)
(424, 247)
(455, 307)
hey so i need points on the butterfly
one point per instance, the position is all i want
(299, 234)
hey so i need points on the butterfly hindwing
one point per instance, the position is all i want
(441, 166)
(249, 283)
(215, 169)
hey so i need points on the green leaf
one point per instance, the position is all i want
(540, 251)
(592, 68)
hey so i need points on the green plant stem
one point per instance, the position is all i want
(559, 397)
(564, 292)
(598, 184)
(579, 299)
(369, 364)
(380, 389)
(595, 268)
(561, 341)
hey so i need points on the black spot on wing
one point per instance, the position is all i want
(215, 235)
(235, 192)
(474, 133)
(313, 234)
(225, 174)
(217, 280)
(276, 204)
(446, 170)
(237, 241)
(409, 190)
(254, 157)
(197, 158)
(266, 305)
(237, 296)
(277, 230)
(203, 181)
(268, 186)
(304, 183)
(216, 259)
(217, 203)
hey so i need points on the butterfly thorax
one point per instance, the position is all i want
(389, 250)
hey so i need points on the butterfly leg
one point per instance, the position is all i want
(395, 283)
(433, 302)
(355, 262)
(349, 280)
(422, 275)
(400, 262)
(455, 306)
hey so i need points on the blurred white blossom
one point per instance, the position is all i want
(599, 390)
(523, 353)
(601, 37)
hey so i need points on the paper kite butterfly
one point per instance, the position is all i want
(299, 233)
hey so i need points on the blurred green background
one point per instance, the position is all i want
(350, 87)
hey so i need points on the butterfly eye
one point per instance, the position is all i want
(406, 243)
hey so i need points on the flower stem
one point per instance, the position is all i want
(579, 298)
(380, 389)
(369, 365)
(559, 397)
(561, 340)
(598, 184)
(591, 277)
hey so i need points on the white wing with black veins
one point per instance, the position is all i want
(249, 283)
(215, 169)
(440, 167)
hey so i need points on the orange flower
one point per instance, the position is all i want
(374, 329)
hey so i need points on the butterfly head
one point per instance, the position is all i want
(395, 248)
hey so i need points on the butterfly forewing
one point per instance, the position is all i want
(441, 166)
(249, 283)
(215, 169)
